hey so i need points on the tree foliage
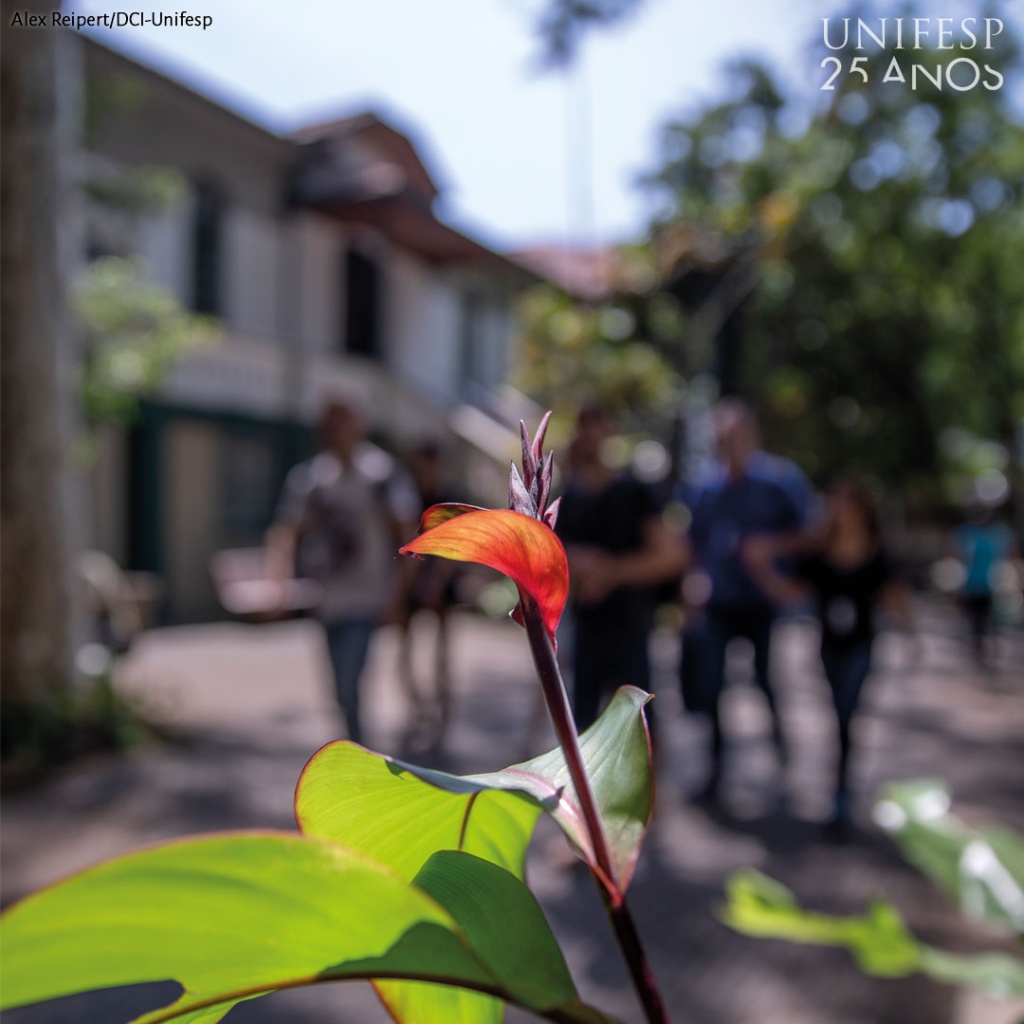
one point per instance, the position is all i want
(136, 332)
(570, 353)
(848, 258)
(562, 24)
(866, 254)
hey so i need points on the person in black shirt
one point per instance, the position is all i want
(619, 549)
(848, 575)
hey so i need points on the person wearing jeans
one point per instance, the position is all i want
(342, 516)
(749, 494)
(847, 573)
(348, 644)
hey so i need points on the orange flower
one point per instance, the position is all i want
(519, 542)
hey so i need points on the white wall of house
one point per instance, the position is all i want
(239, 374)
(485, 324)
(282, 281)
(246, 371)
(425, 325)
(164, 242)
(319, 245)
(250, 272)
(250, 263)
(497, 329)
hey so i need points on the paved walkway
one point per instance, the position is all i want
(251, 705)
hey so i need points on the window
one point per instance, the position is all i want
(362, 305)
(206, 250)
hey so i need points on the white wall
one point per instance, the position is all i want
(240, 374)
(164, 242)
(250, 272)
(497, 332)
(425, 328)
(493, 329)
(251, 287)
(319, 245)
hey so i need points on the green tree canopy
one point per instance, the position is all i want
(847, 257)
(859, 261)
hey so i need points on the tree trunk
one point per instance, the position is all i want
(35, 619)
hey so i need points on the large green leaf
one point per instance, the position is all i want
(230, 917)
(400, 814)
(878, 939)
(982, 869)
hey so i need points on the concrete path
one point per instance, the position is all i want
(251, 704)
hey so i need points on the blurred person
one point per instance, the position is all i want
(982, 543)
(845, 569)
(112, 601)
(340, 520)
(733, 416)
(748, 493)
(431, 586)
(619, 550)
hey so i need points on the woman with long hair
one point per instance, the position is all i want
(844, 568)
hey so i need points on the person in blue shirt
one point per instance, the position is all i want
(982, 543)
(750, 493)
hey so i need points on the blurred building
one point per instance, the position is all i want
(323, 257)
(587, 273)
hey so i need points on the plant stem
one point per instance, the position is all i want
(633, 953)
(565, 729)
(603, 867)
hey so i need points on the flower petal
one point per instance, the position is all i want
(523, 548)
(519, 499)
(551, 512)
(437, 514)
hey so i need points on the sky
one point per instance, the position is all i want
(522, 157)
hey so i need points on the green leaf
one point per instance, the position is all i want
(878, 940)
(411, 1002)
(206, 1015)
(400, 814)
(235, 916)
(996, 974)
(502, 923)
(616, 752)
(473, 903)
(982, 869)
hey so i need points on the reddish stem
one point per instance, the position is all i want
(565, 729)
(603, 869)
